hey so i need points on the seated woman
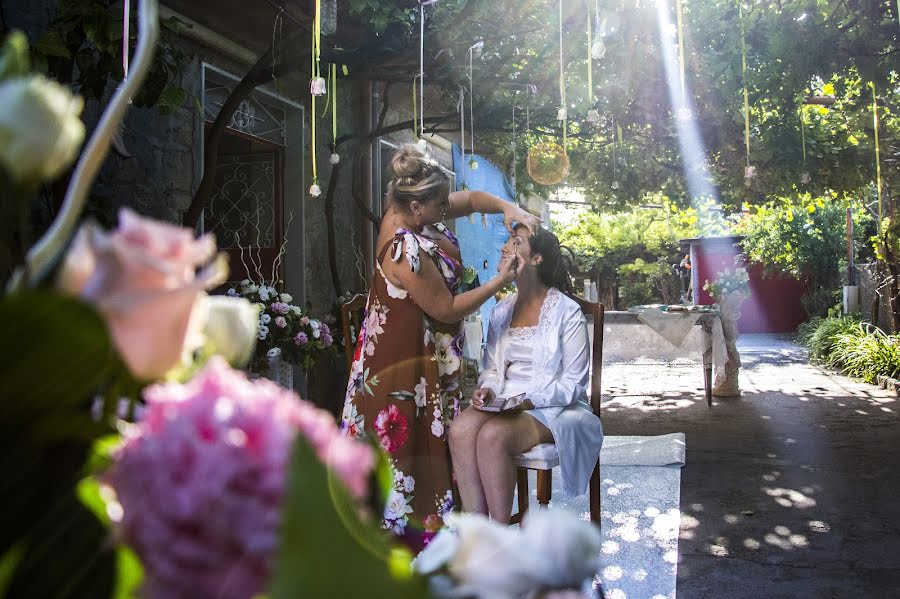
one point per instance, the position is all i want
(537, 348)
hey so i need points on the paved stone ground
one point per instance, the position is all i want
(790, 490)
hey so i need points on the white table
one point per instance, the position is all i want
(706, 322)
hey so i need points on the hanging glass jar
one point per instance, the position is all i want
(328, 16)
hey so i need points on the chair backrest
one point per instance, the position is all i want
(595, 311)
(352, 315)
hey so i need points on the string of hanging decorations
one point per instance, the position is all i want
(548, 161)
(877, 153)
(317, 87)
(749, 170)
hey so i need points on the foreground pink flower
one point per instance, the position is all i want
(143, 277)
(200, 480)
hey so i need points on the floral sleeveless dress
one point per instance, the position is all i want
(404, 388)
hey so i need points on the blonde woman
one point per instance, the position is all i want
(404, 382)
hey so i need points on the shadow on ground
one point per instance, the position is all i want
(789, 490)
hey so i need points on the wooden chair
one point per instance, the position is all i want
(544, 457)
(352, 315)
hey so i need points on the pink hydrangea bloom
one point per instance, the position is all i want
(200, 480)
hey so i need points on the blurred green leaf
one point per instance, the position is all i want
(14, 60)
(322, 534)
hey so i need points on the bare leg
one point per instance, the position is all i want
(499, 441)
(463, 436)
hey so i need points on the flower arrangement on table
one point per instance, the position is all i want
(729, 281)
(285, 330)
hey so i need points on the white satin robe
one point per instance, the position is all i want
(550, 363)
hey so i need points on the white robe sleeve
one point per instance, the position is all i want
(489, 377)
(569, 382)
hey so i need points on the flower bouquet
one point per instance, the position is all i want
(286, 332)
(729, 281)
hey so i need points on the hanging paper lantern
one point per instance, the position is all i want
(805, 178)
(561, 114)
(317, 86)
(473, 164)
(547, 162)
(314, 190)
(593, 116)
(334, 158)
(615, 185)
(684, 114)
(598, 50)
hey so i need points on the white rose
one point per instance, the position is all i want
(567, 548)
(316, 333)
(437, 553)
(287, 298)
(314, 324)
(296, 311)
(231, 326)
(40, 128)
(437, 428)
(409, 484)
(490, 561)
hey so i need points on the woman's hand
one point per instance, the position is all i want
(515, 214)
(509, 268)
(480, 396)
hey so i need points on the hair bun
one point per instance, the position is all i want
(407, 161)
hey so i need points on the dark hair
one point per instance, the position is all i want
(416, 177)
(553, 269)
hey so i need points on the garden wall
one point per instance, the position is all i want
(774, 305)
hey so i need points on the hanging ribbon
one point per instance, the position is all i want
(803, 133)
(316, 72)
(562, 81)
(472, 100)
(126, 34)
(422, 67)
(334, 107)
(744, 77)
(877, 152)
(461, 108)
(415, 110)
(590, 63)
(679, 16)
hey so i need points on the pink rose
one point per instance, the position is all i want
(280, 322)
(143, 279)
(301, 338)
(280, 308)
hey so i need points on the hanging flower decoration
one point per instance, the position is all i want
(615, 185)
(561, 114)
(473, 164)
(598, 50)
(334, 158)
(548, 162)
(317, 86)
(314, 190)
(749, 174)
(805, 178)
(593, 116)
